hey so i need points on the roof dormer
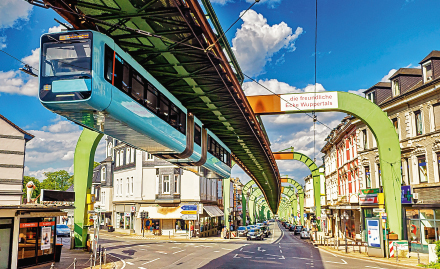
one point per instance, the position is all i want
(404, 79)
(379, 93)
(431, 66)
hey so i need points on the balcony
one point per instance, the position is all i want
(167, 198)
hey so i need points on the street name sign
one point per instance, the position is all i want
(189, 207)
(189, 212)
(189, 217)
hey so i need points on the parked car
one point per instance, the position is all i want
(305, 233)
(298, 229)
(255, 233)
(266, 230)
(292, 228)
(63, 230)
(242, 231)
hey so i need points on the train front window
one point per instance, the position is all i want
(67, 59)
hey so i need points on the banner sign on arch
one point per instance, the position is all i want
(307, 101)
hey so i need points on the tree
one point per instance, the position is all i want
(37, 184)
(95, 164)
(58, 180)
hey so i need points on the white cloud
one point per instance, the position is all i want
(33, 59)
(14, 82)
(251, 88)
(56, 29)
(53, 148)
(13, 10)
(359, 92)
(2, 42)
(386, 78)
(256, 42)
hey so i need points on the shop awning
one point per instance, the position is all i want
(213, 211)
(159, 212)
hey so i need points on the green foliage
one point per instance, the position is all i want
(37, 183)
(437, 249)
(431, 265)
(58, 180)
(95, 164)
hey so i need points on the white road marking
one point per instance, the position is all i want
(130, 263)
(142, 268)
(343, 262)
(281, 251)
(216, 250)
(162, 252)
(241, 249)
(236, 256)
(262, 250)
(178, 251)
(174, 247)
(151, 261)
(271, 258)
(123, 262)
(248, 251)
(375, 267)
(227, 249)
(282, 258)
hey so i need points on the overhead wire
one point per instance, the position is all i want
(18, 59)
(314, 99)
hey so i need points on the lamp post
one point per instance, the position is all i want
(344, 217)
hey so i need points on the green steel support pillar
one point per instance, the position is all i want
(243, 207)
(226, 193)
(294, 208)
(83, 171)
(301, 207)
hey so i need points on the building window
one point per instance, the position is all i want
(102, 197)
(133, 152)
(110, 149)
(128, 156)
(149, 157)
(103, 174)
(423, 176)
(436, 110)
(132, 186)
(427, 71)
(438, 164)
(117, 187)
(419, 122)
(364, 139)
(396, 126)
(117, 158)
(176, 184)
(396, 88)
(367, 177)
(408, 173)
(127, 191)
(372, 96)
(166, 184)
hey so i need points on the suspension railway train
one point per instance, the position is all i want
(87, 78)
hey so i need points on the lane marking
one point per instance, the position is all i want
(130, 263)
(123, 262)
(216, 250)
(235, 257)
(227, 249)
(241, 249)
(374, 267)
(178, 251)
(151, 261)
(162, 252)
(248, 251)
(281, 251)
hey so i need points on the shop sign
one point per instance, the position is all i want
(406, 195)
(380, 210)
(189, 217)
(373, 233)
(189, 207)
(127, 214)
(133, 209)
(28, 225)
(45, 237)
(47, 223)
(370, 191)
(189, 212)
(368, 199)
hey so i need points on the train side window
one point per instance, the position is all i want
(164, 108)
(182, 122)
(118, 71)
(137, 87)
(174, 116)
(151, 100)
(108, 63)
(209, 144)
(212, 147)
(197, 134)
(126, 78)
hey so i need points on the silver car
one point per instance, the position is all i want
(255, 233)
(242, 231)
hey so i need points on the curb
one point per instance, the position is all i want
(366, 258)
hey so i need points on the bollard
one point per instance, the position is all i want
(100, 257)
(91, 260)
(105, 256)
(397, 255)
(52, 266)
(169, 234)
(74, 263)
(418, 257)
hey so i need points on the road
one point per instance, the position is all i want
(282, 250)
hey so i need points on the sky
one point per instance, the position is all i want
(359, 43)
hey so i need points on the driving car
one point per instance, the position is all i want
(305, 233)
(255, 233)
(292, 228)
(298, 229)
(242, 231)
(265, 230)
(63, 230)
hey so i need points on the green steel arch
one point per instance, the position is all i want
(379, 124)
(300, 193)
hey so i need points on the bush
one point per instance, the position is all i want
(437, 249)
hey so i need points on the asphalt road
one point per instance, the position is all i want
(282, 250)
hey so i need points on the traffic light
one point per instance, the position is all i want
(144, 215)
(229, 218)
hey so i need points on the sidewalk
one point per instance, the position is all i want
(359, 252)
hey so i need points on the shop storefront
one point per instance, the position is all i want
(36, 242)
(125, 216)
(423, 228)
(6, 229)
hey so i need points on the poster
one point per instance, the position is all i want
(373, 233)
(45, 237)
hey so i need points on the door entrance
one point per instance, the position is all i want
(6, 226)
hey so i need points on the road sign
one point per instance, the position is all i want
(378, 209)
(189, 207)
(189, 217)
(384, 217)
(189, 212)
(91, 212)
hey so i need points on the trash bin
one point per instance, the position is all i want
(58, 249)
(110, 228)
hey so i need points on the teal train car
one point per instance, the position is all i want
(87, 78)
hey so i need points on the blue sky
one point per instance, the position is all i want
(359, 44)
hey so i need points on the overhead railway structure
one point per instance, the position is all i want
(171, 40)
